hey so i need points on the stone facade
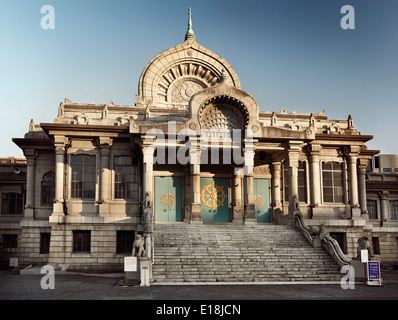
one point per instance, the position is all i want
(100, 165)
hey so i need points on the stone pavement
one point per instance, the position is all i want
(199, 301)
(78, 286)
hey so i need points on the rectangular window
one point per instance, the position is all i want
(332, 177)
(83, 177)
(12, 203)
(45, 243)
(126, 177)
(372, 209)
(376, 245)
(81, 241)
(10, 243)
(302, 181)
(124, 243)
(340, 237)
(394, 209)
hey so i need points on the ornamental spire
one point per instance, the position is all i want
(190, 34)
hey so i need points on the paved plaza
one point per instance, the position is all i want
(89, 292)
(78, 286)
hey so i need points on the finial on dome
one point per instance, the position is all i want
(190, 34)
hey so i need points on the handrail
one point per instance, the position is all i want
(304, 228)
(336, 253)
(330, 244)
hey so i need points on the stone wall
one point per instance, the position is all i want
(103, 256)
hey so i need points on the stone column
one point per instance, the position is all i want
(276, 181)
(293, 156)
(315, 175)
(362, 188)
(58, 208)
(148, 176)
(237, 206)
(105, 144)
(250, 213)
(353, 180)
(384, 205)
(196, 214)
(30, 183)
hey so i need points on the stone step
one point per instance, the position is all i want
(227, 252)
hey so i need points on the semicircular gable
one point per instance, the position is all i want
(175, 75)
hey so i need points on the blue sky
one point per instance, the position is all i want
(289, 54)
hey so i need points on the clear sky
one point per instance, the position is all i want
(290, 54)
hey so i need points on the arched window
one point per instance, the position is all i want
(48, 189)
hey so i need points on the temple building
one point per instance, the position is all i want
(195, 149)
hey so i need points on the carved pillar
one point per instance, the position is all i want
(315, 175)
(237, 206)
(353, 183)
(105, 144)
(250, 213)
(58, 208)
(276, 180)
(30, 155)
(353, 180)
(384, 205)
(147, 176)
(362, 187)
(294, 149)
(196, 214)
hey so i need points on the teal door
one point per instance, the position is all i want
(214, 199)
(261, 199)
(168, 199)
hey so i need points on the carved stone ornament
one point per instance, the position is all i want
(263, 169)
(138, 246)
(183, 92)
(363, 244)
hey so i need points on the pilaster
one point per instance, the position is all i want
(105, 145)
(196, 214)
(60, 148)
(31, 156)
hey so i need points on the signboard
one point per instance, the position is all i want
(13, 262)
(373, 273)
(130, 264)
(364, 256)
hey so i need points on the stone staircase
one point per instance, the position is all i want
(237, 253)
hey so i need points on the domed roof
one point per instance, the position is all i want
(172, 77)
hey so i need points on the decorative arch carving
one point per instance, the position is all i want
(223, 113)
(175, 75)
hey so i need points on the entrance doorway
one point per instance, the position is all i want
(261, 199)
(214, 199)
(168, 199)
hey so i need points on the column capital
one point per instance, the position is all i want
(354, 150)
(60, 141)
(363, 163)
(30, 154)
(383, 195)
(105, 142)
(314, 149)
